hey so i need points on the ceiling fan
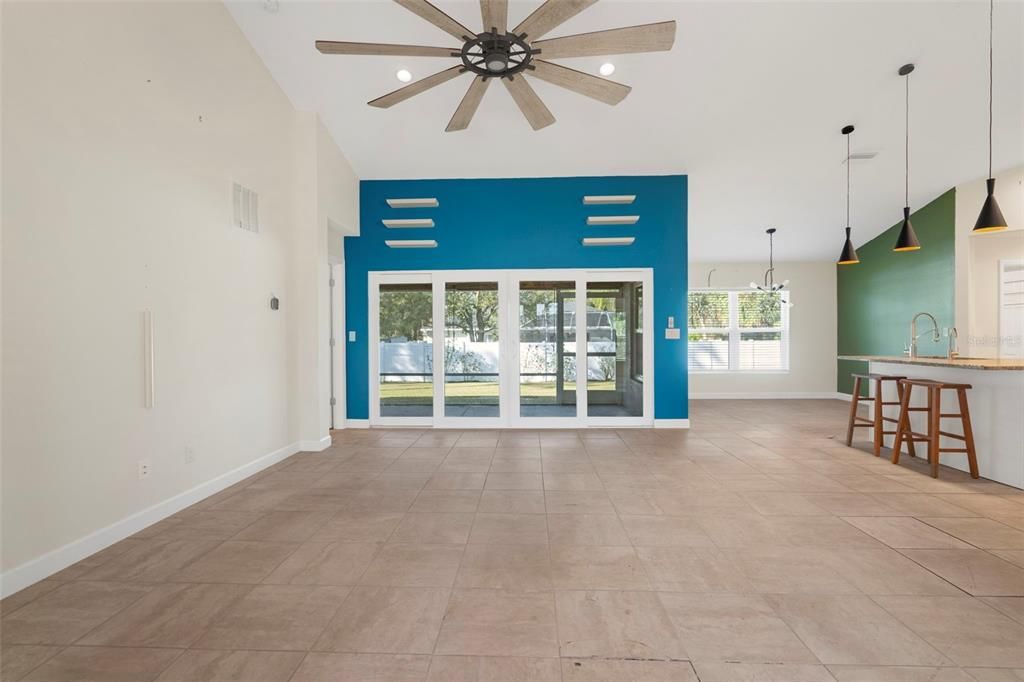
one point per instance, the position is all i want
(500, 53)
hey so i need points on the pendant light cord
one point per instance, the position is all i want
(847, 179)
(906, 151)
(991, 13)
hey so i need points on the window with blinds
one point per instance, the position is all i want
(738, 331)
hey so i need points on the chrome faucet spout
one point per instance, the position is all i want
(936, 337)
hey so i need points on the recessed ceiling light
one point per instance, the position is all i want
(403, 75)
(607, 69)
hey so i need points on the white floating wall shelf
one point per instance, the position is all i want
(413, 203)
(610, 199)
(612, 219)
(608, 241)
(411, 243)
(408, 222)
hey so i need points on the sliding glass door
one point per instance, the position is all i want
(404, 335)
(509, 356)
(472, 350)
(615, 348)
(547, 349)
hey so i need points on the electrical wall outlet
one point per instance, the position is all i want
(190, 455)
(144, 467)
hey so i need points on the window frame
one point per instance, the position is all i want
(734, 331)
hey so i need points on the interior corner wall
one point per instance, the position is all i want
(120, 149)
(812, 333)
(878, 296)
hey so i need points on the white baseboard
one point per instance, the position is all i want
(357, 424)
(813, 395)
(315, 445)
(844, 396)
(671, 423)
(42, 567)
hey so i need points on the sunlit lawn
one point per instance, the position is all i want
(416, 393)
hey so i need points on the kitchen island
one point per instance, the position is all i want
(996, 404)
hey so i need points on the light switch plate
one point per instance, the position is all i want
(673, 334)
(351, 336)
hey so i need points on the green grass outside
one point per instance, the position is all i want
(422, 393)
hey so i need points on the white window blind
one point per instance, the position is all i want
(738, 331)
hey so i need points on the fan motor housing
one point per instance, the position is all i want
(497, 55)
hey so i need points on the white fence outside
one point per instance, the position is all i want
(402, 361)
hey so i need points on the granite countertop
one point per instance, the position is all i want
(960, 363)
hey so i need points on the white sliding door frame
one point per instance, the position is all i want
(646, 278)
(508, 282)
(376, 279)
(441, 280)
(518, 421)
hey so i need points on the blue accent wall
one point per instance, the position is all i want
(522, 223)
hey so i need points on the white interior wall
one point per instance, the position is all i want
(977, 260)
(812, 339)
(124, 125)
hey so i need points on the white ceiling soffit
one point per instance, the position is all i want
(749, 104)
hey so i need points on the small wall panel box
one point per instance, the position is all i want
(408, 222)
(608, 241)
(411, 243)
(246, 208)
(413, 203)
(610, 199)
(612, 219)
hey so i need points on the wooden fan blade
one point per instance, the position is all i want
(550, 15)
(529, 103)
(467, 107)
(425, 10)
(334, 47)
(600, 89)
(495, 14)
(402, 94)
(644, 38)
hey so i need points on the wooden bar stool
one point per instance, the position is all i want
(934, 431)
(878, 418)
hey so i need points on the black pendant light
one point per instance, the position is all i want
(849, 254)
(907, 240)
(991, 218)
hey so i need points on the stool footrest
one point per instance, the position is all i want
(952, 449)
(953, 435)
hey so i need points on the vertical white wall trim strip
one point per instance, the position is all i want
(147, 333)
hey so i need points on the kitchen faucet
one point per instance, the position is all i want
(914, 336)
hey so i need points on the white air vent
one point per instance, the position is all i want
(608, 241)
(429, 202)
(408, 222)
(612, 219)
(246, 208)
(610, 199)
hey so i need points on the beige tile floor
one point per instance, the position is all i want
(754, 546)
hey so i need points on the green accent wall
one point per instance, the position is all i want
(878, 296)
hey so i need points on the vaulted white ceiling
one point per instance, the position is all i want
(749, 104)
